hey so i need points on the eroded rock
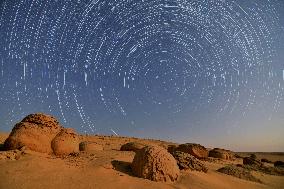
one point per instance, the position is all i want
(156, 164)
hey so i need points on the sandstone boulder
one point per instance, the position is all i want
(221, 153)
(132, 146)
(43, 119)
(156, 164)
(35, 131)
(65, 142)
(89, 146)
(187, 161)
(195, 150)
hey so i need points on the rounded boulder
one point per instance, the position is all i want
(35, 131)
(65, 142)
(156, 164)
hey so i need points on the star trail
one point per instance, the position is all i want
(149, 68)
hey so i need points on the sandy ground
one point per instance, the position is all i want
(110, 169)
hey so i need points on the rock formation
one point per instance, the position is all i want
(171, 148)
(156, 164)
(279, 164)
(196, 150)
(132, 146)
(238, 172)
(35, 131)
(187, 161)
(252, 162)
(221, 153)
(65, 142)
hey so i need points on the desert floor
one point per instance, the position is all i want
(110, 168)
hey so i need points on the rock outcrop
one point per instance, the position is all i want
(35, 131)
(252, 162)
(156, 164)
(65, 142)
(279, 164)
(221, 153)
(186, 161)
(195, 150)
(238, 172)
(172, 148)
(132, 146)
(89, 146)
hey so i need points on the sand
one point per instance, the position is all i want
(110, 168)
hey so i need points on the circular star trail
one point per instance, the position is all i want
(128, 66)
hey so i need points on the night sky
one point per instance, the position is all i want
(205, 71)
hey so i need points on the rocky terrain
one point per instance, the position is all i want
(41, 153)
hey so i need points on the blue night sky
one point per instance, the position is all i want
(205, 71)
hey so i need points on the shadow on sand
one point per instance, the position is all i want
(2, 147)
(122, 166)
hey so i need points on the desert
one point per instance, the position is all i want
(73, 160)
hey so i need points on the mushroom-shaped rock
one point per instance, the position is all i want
(196, 150)
(132, 146)
(89, 146)
(35, 131)
(65, 142)
(156, 164)
(221, 153)
(187, 161)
